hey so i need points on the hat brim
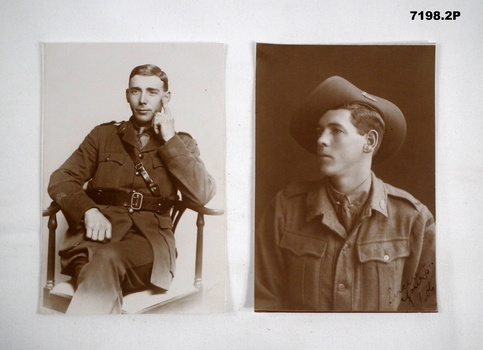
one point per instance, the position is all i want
(335, 92)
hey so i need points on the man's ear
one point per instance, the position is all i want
(165, 99)
(372, 139)
(127, 95)
(168, 95)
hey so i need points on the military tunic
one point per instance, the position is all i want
(305, 261)
(102, 162)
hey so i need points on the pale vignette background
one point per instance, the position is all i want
(24, 24)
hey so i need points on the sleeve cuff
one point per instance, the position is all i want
(75, 206)
(174, 147)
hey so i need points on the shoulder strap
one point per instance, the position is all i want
(139, 166)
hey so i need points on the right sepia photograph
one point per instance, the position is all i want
(345, 178)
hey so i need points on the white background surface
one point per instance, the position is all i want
(239, 24)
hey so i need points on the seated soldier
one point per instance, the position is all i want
(120, 238)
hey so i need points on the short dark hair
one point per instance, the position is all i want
(365, 119)
(148, 70)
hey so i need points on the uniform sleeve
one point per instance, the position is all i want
(269, 262)
(66, 183)
(419, 278)
(182, 158)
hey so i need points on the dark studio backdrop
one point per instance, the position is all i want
(287, 74)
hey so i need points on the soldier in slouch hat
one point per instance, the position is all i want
(348, 242)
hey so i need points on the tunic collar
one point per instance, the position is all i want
(355, 199)
(378, 197)
(318, 204)
(130, 131)
(318, 201)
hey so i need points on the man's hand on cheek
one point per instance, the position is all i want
(163, 122)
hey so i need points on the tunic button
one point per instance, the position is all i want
(137, 173)
(386, 257)
(341, 287)
(130, 210)
(140, 155)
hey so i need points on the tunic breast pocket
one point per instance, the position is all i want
(302, 245)
(159, 174)
(304, 257)
(112, 171)
(382, 266)
(384, 252)
(157, 162)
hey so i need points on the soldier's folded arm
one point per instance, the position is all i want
(419, 277)
(66, 183)
(269, 262)
(182, 158)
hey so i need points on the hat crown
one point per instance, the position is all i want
(333, 93)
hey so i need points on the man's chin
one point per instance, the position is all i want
(325, 170)
(143, 119)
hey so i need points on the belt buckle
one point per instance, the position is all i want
(136, 200)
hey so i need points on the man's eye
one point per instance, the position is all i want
(134, 92)
(153, 93)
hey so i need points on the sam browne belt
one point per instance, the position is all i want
(131, 200)
(134, 200)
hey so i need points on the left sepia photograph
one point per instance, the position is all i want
(133, 178)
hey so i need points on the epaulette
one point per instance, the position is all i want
(297, 188)
(184, 134)
(112, 122)
(397, 192)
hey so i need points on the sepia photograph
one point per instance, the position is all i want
(133, 166)
(345, 178)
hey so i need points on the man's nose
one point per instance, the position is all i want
(142, 98)
(323, 139)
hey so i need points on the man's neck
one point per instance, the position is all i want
(140, 127)
(347, 184)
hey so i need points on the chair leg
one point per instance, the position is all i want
(50, 301)
(200, 223)
(52, 225)
(55, 302)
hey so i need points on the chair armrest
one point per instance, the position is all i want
(202, 210)
(52, 209)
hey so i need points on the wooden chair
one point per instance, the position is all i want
(57, 296)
